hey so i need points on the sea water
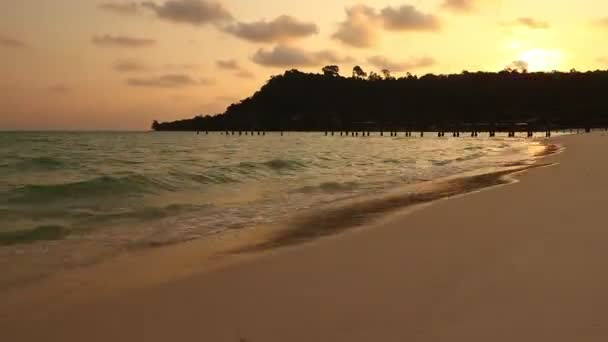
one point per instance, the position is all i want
(70, 199)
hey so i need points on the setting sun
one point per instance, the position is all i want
(542, 60)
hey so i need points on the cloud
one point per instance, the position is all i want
(168, 81)
(382, 62)
(282, 29)
(408, 18)
(59, 89)
(129, 65)
(244, 74)
(360, 29)
(11, 43)
(134, 66)
(286, 56)
(195, 12)
(124, 8)
(460, 6)
(529, 23)
(230, 64)
(122, 41)
(233, 65)
(181, 66)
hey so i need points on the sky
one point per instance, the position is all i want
(119, 64)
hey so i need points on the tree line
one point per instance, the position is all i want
(298, 101)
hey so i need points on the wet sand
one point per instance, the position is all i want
(522, 262)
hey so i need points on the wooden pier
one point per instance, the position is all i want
(476, 132)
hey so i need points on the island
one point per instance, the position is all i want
(510, 100)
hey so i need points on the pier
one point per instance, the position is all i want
(478, 130)
(439, 133)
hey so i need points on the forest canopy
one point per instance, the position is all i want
(298, 101)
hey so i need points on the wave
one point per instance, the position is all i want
(213, 177)
(140, 214)
(335, 219)
(35, 164)
(275, 164)
(442, 162)
(472, 156)
(94, 188)
(42, 233)
(329, 187)
(283, 164)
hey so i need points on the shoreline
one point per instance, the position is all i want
(97, 282)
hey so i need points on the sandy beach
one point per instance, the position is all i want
(520, 262)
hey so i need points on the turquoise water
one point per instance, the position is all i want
(81, 197)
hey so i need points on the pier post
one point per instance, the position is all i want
(422, 134)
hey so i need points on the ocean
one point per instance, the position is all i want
(73, 199)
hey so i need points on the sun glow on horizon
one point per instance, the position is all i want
(542, 59)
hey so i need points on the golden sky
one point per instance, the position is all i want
(119, 64)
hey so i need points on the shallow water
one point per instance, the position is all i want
(74, 198)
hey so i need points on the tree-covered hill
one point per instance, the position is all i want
(300, 101)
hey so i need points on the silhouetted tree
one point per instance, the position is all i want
(387, 74)
(374, 76)
(155, 125)
(331, 70)
(359, 73)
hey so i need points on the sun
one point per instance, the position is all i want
(542, 60)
